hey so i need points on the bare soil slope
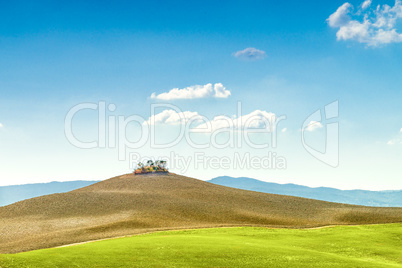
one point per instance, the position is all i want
(130, 204)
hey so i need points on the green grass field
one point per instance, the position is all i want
(340, 246)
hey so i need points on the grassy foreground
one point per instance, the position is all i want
(340, 246)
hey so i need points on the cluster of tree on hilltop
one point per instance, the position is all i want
(151, 167)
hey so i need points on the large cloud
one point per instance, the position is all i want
(171, 117)
(371, 26)
(250, 53)
(194, 92)
(254, 120)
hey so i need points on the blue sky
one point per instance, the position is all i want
(54, 56)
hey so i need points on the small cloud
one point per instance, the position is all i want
(366, 4)
(397, 139)
(391, 142)
(313, 125)
(284, 129)
(340, 17)
(250, 54)
(1, 125)
(368, 25)
(194, 92)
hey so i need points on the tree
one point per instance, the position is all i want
(162, 164)
(151, 166)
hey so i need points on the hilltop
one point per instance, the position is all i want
(129, 204)
(389, 198)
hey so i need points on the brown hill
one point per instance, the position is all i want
(130, 204)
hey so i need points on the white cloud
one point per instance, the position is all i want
(254, 120)
(1, 125)
(284, 129)
(340, 17)
(394, 141)
(366, 4)
(371, 26)
(397, 139)
(313, 125)
(353, 30)
(221, 91)
(194, 92)
(171, 117)
(391, 142)
(250, 53)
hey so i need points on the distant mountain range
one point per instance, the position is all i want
(355, 197)
(15, 193)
